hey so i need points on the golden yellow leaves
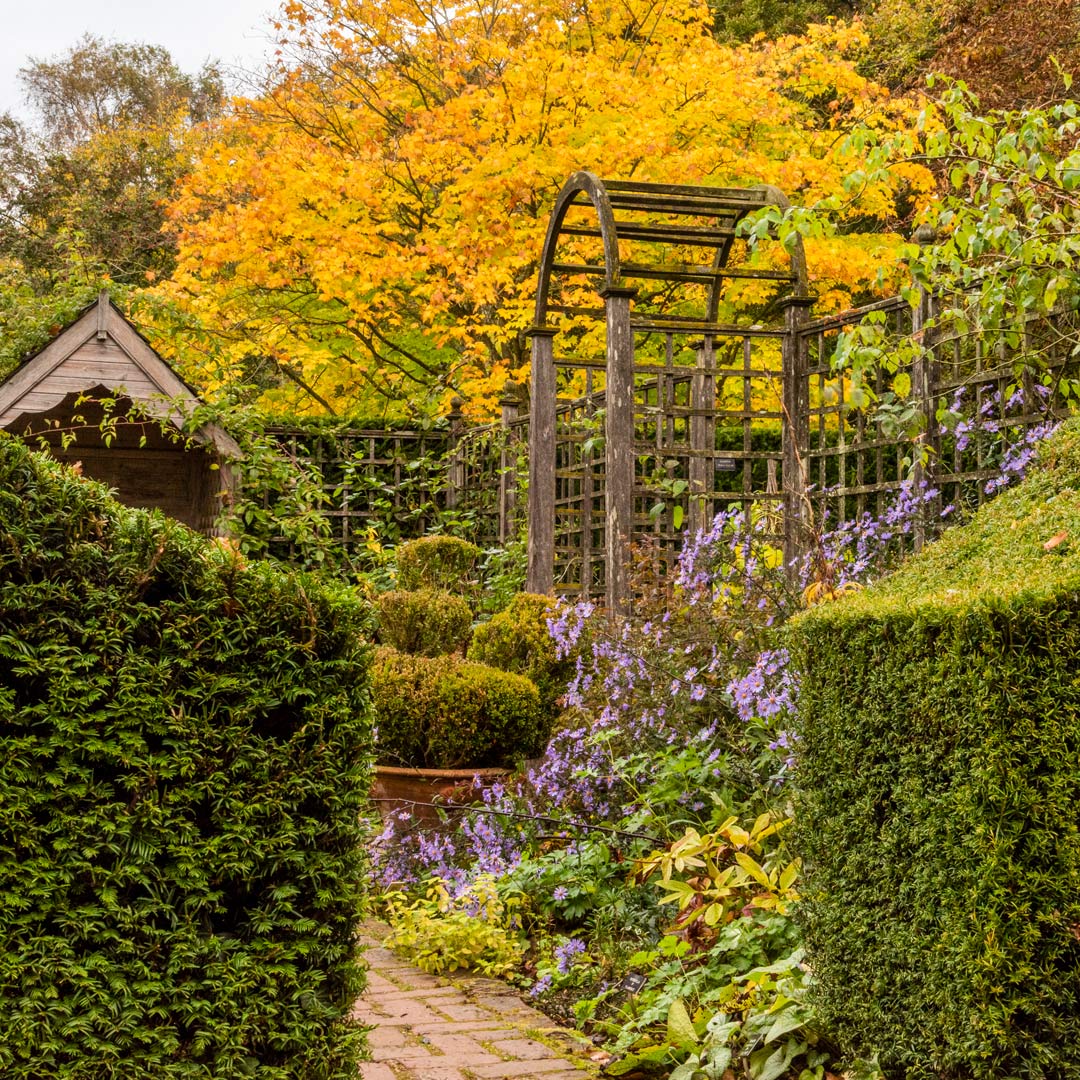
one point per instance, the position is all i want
(401, 182)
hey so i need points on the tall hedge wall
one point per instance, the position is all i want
(938, 802)
(184, 750)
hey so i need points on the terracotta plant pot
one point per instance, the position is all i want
(422, 791)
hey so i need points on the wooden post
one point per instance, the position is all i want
(102, 320)
(540, 577)
(455, 474)
(924, 391)
(702, 434)
(619, 448)
(796, 430)
(509, 404)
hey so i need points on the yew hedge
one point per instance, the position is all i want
(184, 754)
(938, 784)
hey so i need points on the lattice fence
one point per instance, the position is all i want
(975, 409)
(392, 480)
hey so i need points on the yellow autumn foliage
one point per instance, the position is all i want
(372, 224)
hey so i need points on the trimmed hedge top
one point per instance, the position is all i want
(1024, 546)
(185, 744)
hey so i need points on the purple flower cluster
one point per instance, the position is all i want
(564, 954)
(767, 689)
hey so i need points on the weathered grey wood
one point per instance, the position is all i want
(924, 378)
(101, 354)
(619, 448)
(102, 321)
(680, 401)
(509, 405)
(67, 364)
(738, 195)
(39, 366)
(587, 497)
(675, 272)
(455, 473)
(683, 234)
(133, 382)
(796, 430)
(541, 549)
(702, 435)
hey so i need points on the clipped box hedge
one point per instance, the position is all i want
(938, 801)
(184, 751)
(436, 562)
(517, 639)
(424, 622)
(442, 712)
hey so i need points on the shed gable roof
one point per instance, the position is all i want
(101, 348)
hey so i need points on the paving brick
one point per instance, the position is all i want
(525, 1049)
(569, 1074)
(384, 1035)
(375, 1070)
(419, 981)
(413, 1060)
(399, 1053)
(524, 1068)
(461, 1011)
(462, 1050)
(424, 1027)
(508, 1005)
(408, 1012)
(484, 1029)
(433, 993)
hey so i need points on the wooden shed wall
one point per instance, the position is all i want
(161, 474)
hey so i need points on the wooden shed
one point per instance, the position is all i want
(57, 393)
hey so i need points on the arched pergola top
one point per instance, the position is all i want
(666, 208)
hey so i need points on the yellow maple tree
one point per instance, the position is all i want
(371, 226)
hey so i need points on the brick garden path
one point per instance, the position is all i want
(429, 1027)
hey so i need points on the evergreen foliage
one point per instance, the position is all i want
(517, 639)
(447, 713)
(938, 780)
(437, 562)
(424, 622)
(184, 752)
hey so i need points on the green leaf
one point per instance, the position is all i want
(788, 1020)
(679, 1025)
(768, 1065)
(686, 1071)
(677, 517)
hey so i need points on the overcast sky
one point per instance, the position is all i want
(235, 32)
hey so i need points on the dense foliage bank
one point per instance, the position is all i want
(184, 748)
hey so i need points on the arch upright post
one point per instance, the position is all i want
(540, 576)
(619, 447)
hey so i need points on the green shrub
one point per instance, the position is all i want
(938, 785)
(517, 640)
(473, 929)
(184, 747)
(427, 622)
(437, 562)
(448, 713)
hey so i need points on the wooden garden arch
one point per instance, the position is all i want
(661, 217)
